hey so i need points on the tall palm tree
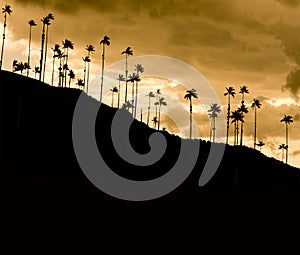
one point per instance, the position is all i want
(86, 61)
(113, 90)
(213, 114)
(190, 94)
(155, 121)
(158, 93)
(161, 102)
(50, 17)
(287, 119)
(151, 94)
(71, 77)
(260, 144)
(6, 10)
(282, 147)
(80, 83)
(120, 78)
(236, 117)
(31, 24)
(255, 105)
(243, 110)
(60, 56)
(36, 71)
(230, 92)
(127, 105)
(128, 52)
(244, 90)
(139, 69)
(56, 53)
(105, 42)
(133, 78)
(67, 44)
(90, 49)
(45, 20)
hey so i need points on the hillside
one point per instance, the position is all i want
(36, 146)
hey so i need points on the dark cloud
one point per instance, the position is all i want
(293, 82)
(297, 117)
(290, 3)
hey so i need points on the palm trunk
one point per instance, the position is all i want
(159, 117)
(148, 116)
(53, 66)
(234, 133)
(46, 51)
(42, 52)
(29, 47)
(255, 127)
(103, 59)
(132, 98)
(211, 130)
(67, 59)
(119, 94)
(237, 133)
(60, 73)
(228, 117)
(242, 132)
(126, 74)
(136, 94)
(2, 50)
(191, 118)
(88, 74)
(214, 129)
(70, 82)
(282, 154)
(287, 142)
(84, 73)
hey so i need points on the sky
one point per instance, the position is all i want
(230, 42)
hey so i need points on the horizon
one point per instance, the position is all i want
(257, 49)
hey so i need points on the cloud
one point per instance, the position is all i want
(293, 82)
(297, 117)
(289, 3)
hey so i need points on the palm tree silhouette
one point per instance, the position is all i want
(243, 110)
(287, 119)
(67, 44)
(120, 78)
(213, 114)
(236, 117)
(80, 83)
(86, 61)
(104, 41)
(244, 90)
(190, 94)
(113, 90)
(139, 69)
(60, 56)
(50, 17)
(18, 66)
(31, 24)
(282, 147)
(151, 94)
(6, 10)
(90, 49)
(161, 102)
(71, 77)
(155, 121)
(127, 105)
(36, 71)
(56, 53)
(26, 66)
(255, 105)
(230, 92)
(260, 144)
(133, 78)
(158, 93)
(45, 20)
(128, 52)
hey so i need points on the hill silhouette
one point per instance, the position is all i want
(38, 159)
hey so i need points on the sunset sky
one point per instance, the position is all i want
(230, 42)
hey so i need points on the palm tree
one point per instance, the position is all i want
(60, 56)
(127, 52)
(56, 53)
(213, 114)
(243, 110)
(120, 78)
(260, 144)
(151, 94)
(50, 17)
(6, 10)
(45, 20)
(86, 61)
(36, 71)
(139, 69)
(71, 77)
(133, 78)
(104, 41)
(244, 90)
(26, 66)
(80, 83)
(161, 102)
(255, 105)
(230, 92)
(127, 105)
(31, 24)
(113, 90)
(158, 93)
(282, 147)
(90, 49)
(287, 119)
(67, 44)
(18, 67)
(155, 121)
(236, 117)
(190, 94)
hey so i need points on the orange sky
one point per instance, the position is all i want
(231, 42)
